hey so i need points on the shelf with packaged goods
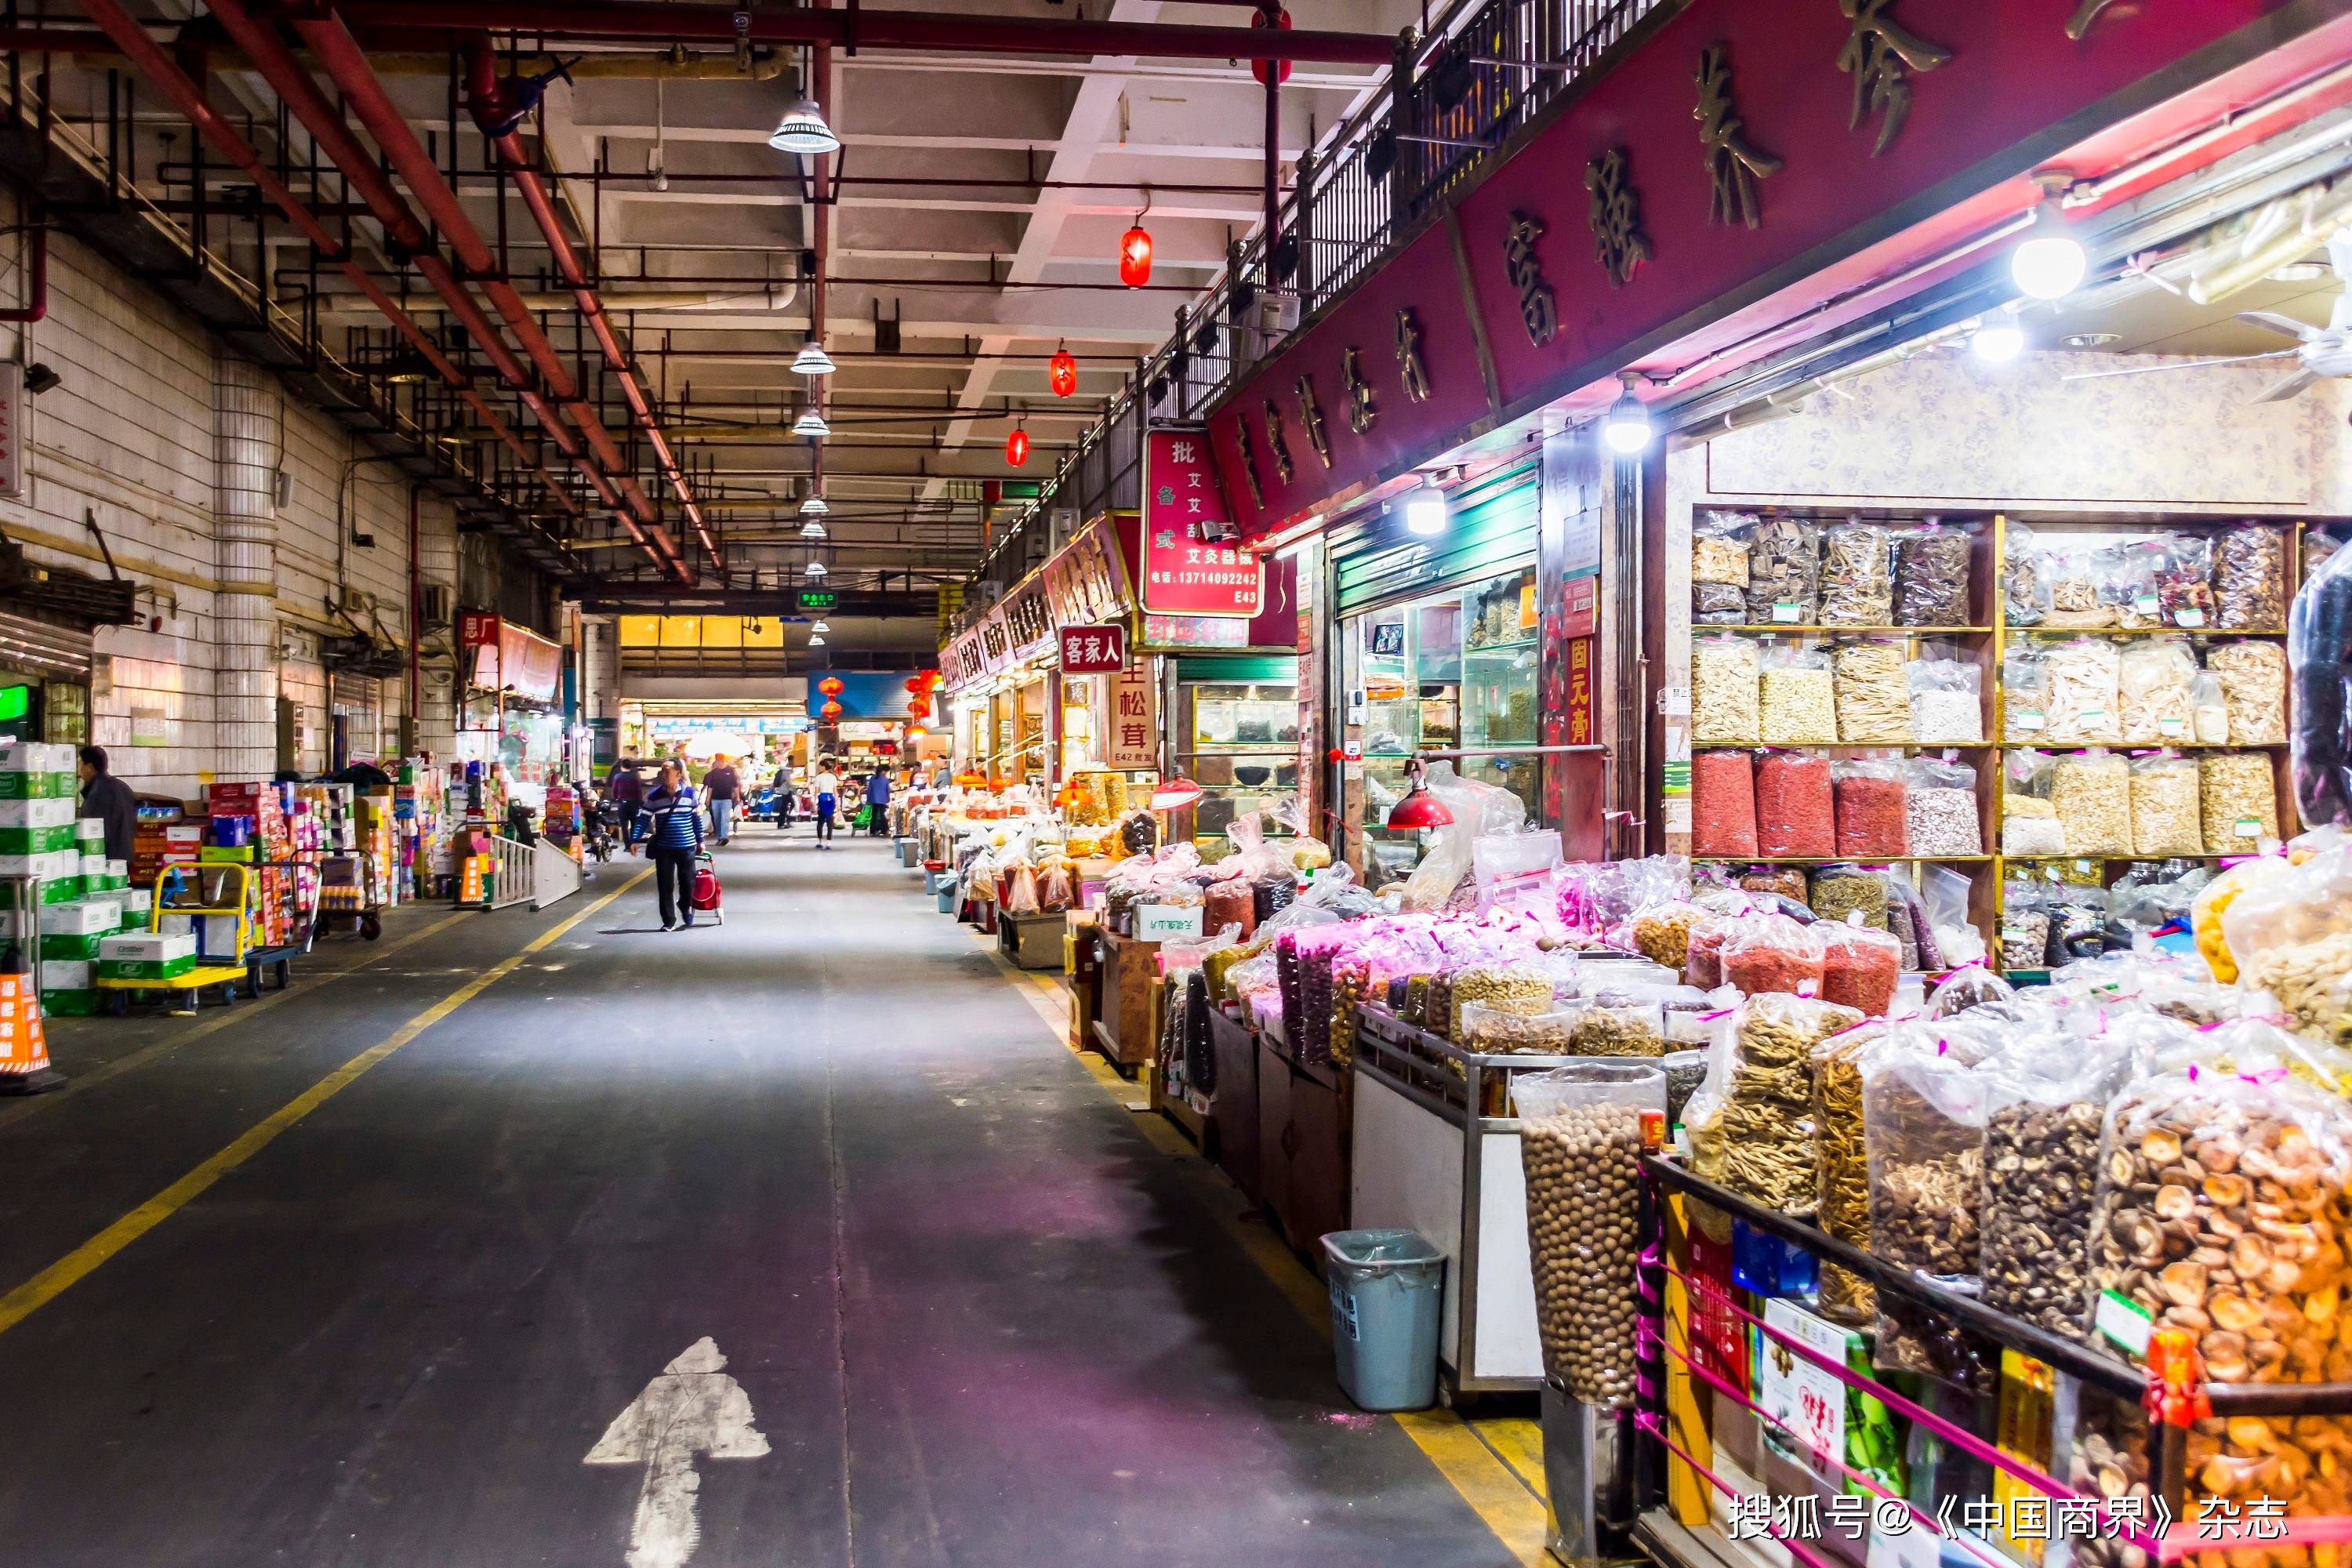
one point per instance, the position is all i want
(1774, 628)
(1517, 645)
(1907, 748)
(2043, 631)
(1844, 860)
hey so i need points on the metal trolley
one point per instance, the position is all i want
(216, 900)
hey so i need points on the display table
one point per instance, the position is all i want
(1128, 969)
(1434, 1154)
(1302, 1142)
(1032, 941)
(1235, 1105)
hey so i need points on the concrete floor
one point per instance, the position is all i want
(978, 1317)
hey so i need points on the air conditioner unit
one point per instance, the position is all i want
(434, 607)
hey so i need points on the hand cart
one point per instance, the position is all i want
(343, 896)
(278, 960)
(223, 890)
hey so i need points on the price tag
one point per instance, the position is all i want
(2124, 1322)
(1784, 614)
(2091, 716)
(2250, 827)
(2028, 720)
(1804, 1398)
(2188, 618)
(2171, 727)
(1167, 922)
(2146, 603)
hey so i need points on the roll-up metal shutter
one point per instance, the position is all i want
(1492, 530)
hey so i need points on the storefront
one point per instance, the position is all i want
(509, 714)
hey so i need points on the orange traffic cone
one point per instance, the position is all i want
(23, 1042)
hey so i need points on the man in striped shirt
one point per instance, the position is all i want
(675, 839)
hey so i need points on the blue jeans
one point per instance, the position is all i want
(722, 819)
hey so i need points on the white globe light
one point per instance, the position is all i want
(1997, 341)
(1424, 510)
(2050, 262)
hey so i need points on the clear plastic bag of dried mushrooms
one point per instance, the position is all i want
(1923, 1104)
(2045, 1106)
(1579, 1146)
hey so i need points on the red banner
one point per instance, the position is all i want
(1093, 650)
(1193, 565)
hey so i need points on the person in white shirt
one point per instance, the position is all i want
(827, 785)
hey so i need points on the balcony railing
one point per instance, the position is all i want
(1445, 108)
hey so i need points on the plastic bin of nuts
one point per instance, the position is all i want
(1579, 1148)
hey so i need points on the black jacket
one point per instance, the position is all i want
(110, 798)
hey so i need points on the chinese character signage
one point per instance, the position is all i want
(477, 628)
(1028, 624)
(1086, 582)
(1093, 650)
(1190, 565)
(1131, 744)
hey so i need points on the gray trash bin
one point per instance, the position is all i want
(1385, 1301)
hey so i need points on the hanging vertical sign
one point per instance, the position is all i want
(1132, 744)
(12, 431)
(1191, 564)
(1093, 650)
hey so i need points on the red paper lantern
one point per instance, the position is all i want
(1257, 67)
(1016, 447)
(830, 711)
(831, 686)
(915, 684)
(1135, 256)
(1062, 372)
(919, 709)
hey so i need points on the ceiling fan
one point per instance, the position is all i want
(2321, 351)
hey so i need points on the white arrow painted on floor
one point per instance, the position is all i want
(692, 1408)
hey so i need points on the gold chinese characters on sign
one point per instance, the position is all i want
(1310, 420)
(1881, 54)
(1410, 369)
(1278, 443)
(1248, 454)
(1616, 215)
(1734, 164)
(1537, 313)
(1362, 409)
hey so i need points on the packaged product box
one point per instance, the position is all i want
(108, 908)
(56, 890)
(65, 975)
(93, 868)
(42, 813)
(82, 916)
(228, 854)
(179, 925)
(35, 841)
(68, 944)
(89, 829)
(57, 1004)
(141, 969)
(217, 937)
(149, 948)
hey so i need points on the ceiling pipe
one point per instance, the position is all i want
(487, 99)
(630, 20)
(345, 63)
(189, 98)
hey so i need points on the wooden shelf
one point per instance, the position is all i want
(1856, 859)
(1701, 630)
(2145, 631)
(1907, 746)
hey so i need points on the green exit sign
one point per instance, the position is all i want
(819, 598)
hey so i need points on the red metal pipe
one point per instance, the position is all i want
(189, 98)
(346, 64)
(36, 267)
(487, 99)
(619, 20)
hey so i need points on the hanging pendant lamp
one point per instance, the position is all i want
(1135, 252)
(1016, 447)
(1420, 807)
(1062, 372)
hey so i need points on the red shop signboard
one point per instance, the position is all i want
(1193, 565)
(1743, 168)
(1093, 650)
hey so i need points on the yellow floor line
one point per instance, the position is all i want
(61, 1276)
(1496, 1464)
(235, 1013)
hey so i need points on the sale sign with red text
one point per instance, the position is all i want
(1192, 565)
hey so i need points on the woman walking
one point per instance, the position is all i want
(828, 796)
(676, 838)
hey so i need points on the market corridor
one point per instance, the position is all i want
(976, 1316)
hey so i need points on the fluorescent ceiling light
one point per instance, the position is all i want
(820, 627)
(803, 130)
(812, 528)
(816, 568)
(812, 359)
(811, 424)
(815, 641)
(813, 505)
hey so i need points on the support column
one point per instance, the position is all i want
(245, 535)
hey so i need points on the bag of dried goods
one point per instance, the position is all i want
(1939, 808)
(1720, 548)
(2128, 581)
(1773, 953)
(1718, 605)
(2153, 704)
(1662, 931)
(1505, 987)
(1725, 690)
(1228, 903)
(1873, 704)
(1622, 1027)
(1797, 697)
(2319, 633)
(1947, 709)
(2250, 1171)
(2029, 821)
(1931, 577)
(1971, 985)
(1843, 1182)
(1840, 892)
(1857, 577)
(2291, 934)
(2250, 579)
(1858, 966)
(2024, 925)
(1722, 804)
(1499, 1031)
(1055, 892)
(1870, 808)
(2209, 709)
(1899, 923)
(1750, 1124)
(1785, 884)
(2254, 689)
(1945, 894)
(2045, 1104)
(2024, 694)
(2183, 582)
(1580, 1145)
(2082, 676)
(2205, 913)
(2073, 585)
(1901, 894)
(1784, 568)
(1923, 1125)
(2024, 590)
(2092, 791)
(2165, 815)
(1703, 954)
(2239, 797)
(1795, 817)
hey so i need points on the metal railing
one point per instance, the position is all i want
(515, 883)
(1449, 104)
